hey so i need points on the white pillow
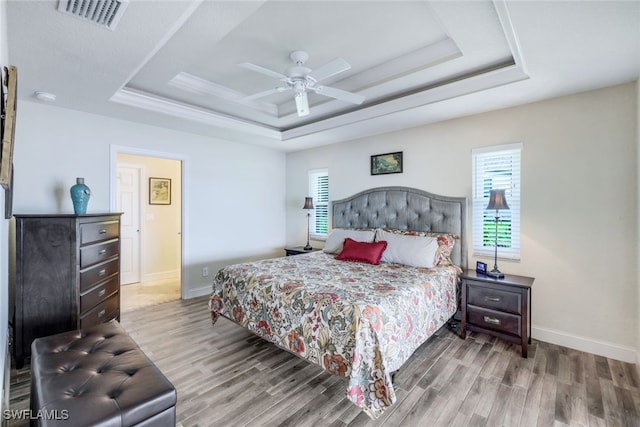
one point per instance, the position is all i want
(336, 237)
(416, 251)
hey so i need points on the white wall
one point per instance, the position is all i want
(579, 203)
(160, 224)
(4, 234)
(223, 184)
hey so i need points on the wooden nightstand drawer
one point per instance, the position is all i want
(498, 307)
(497, 299)
(494, 320)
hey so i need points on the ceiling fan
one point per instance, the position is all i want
(301, 79)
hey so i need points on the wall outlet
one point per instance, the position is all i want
(205, 271)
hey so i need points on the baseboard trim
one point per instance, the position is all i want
(162, 275)
(199, 292)
(6, 380)
(601, 348)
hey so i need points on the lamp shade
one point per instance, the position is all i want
(497, 200)
(308, 203)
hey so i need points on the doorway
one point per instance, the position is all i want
(151, 226)
(129, 203)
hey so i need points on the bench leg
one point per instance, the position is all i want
(214, 318)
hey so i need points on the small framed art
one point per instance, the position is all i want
(159, 191)
(382, 164)
(481, 267)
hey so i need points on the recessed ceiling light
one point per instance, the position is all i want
(45, 96)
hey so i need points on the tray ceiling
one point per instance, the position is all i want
(175, 64)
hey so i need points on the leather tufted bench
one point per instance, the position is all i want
(98, 377)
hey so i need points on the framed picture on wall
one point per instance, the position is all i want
(386, 163)
(159, 191)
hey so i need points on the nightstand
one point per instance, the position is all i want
(498, 307)
(297, 250)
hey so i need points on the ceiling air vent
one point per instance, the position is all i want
(105, 13)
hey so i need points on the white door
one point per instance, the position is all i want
(128, 202)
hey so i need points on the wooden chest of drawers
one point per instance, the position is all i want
(67, 275)
(498, 307)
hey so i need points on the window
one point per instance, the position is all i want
(319, 190)
(496, 168)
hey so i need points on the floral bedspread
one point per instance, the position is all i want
(357, 321)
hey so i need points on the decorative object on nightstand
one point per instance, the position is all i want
(501, 308)
(308, 205)
(481, 267)
(498, 202)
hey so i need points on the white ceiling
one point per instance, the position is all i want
(175, 63)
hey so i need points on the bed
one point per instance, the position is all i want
(356, 320)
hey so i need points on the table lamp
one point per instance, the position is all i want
(308, 205)
(498, 202)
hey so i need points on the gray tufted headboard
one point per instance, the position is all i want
(406, 208)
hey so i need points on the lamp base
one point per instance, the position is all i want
(308, 247)
(496, 274)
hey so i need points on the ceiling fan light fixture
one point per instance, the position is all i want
(302, 79)
(302, 104)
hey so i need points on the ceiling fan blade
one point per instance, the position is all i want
(340, 94)
(264, 93)
(262, 70)
(329, 69)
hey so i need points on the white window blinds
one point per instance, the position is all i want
(319, 190)
(496, 168)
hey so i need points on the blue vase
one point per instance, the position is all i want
(80, 194)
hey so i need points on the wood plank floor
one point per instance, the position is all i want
(226, 376)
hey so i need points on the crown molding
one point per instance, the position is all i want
(195, 84)
(147, 101)
(497, 77)
(503, 71)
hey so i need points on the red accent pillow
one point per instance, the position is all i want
(362, 251)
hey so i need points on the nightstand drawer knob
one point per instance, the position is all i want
(491, 320)
(492, 299)
(102, 313)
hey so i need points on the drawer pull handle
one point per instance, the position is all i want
(102, 272)
(102, 292)
(102, 252)
(492, 299)
(102, 313)
(491, 320)
(103, 231)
